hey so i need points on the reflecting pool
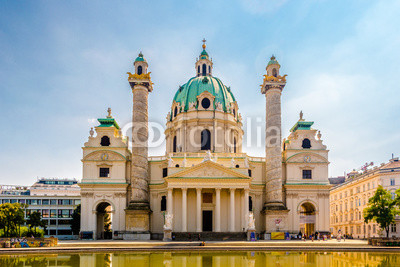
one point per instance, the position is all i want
(194, 259)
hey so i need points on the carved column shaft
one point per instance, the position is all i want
(273, 146)
(139, 174)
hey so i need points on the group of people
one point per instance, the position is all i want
(314, 236)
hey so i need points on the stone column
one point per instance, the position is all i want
(246, 207)
(217, 209)
(274, 207)
(138, 210)
(184, 210)
(170, 201)
(232, 210)
(198, 209)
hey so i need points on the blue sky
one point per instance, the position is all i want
(62, 63)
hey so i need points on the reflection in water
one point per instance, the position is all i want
(213, 259)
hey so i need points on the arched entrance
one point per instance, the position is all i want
(103, 220)
(307, 218)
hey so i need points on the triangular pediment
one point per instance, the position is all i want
(209, 169)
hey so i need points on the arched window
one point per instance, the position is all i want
(204, 70)
(198, 70)
(209, 69)
(139, 70)
(250, 204)
(234, 145)
(205, 140)
(163, 203)
(174, 145)
(237, 166)
(274, 72)
(175, 111)
(306, 143)
(105, 141)
(177, 166)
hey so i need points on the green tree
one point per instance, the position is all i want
(76, 220)
(382, 209)
(35, 220)
(11, 218)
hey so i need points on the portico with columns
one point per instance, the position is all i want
(215, 202)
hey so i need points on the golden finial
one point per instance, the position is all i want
(204, 43)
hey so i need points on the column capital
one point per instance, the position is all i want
(184, 189)
(199, 190)
(217, 189)
(232, 189)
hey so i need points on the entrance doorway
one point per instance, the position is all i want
(307, 219)
(103, 220)
(207, 221)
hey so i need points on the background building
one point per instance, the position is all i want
(349, 199)
(55, 199)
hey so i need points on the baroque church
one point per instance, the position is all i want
(204, 184)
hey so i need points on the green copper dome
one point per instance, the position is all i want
(188, 92)
(204, 54)
(140, 57)
(273, 61)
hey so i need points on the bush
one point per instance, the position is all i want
(26, 232)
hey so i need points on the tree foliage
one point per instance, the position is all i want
(76, 220)
(34, 221)
(382, 209)
(11, 218)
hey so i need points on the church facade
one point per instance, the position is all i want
(204, 182)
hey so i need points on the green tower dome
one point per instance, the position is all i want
(140, 58)
(188, 92)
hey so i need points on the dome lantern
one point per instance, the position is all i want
(204, 64)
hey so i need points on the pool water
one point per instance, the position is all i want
(214, 259)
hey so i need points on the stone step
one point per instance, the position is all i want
(209, 236)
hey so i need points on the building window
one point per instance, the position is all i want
(393, 228)
(198, 70)
(374, 229)
(205, 140)
(234, 145)
(249, 173)
(205, 103)
(250, 204)
(274, 72)
(174, 145)
(306, 143)
(164, 172)
(175, 111)
(105, 141)
(53, 214)
(392, 181)
(163, 203)
(53, 201)
(393, 195)
(45, 202)
(237, 166)
(307, 174)
(104, 172)
(204, 69)
(45, 213)
(207, 198)
(139, 70)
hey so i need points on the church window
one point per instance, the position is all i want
(104, 172)
(198, 70)
(207, 198)
(205, 103)
(204, 70)
(105, 141)
(174, 145)
(175, 111)
(393, 228)
(237, 166)
(163, 203)
(164, 172)
(177, 166)
(392, 181)
(250, 204)
(307, 174)
(139, 70)
(306, 143)
(274, 72)
(209, 69)
(249, 173)
(234, 145)
(205, 140)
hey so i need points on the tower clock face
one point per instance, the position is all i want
(307, 158)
